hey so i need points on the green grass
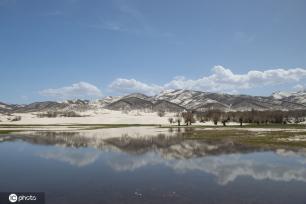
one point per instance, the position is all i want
(273, 138)
(235, 133)
(282, 126)
(2, 132)
(253, 138)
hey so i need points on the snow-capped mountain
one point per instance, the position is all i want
(295, 97)
(197, 100)
(5, 107)
(172, 101)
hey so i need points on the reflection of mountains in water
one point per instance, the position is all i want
(128, 153)
(168, 145)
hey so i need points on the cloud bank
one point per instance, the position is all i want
(131, 85)
(221, 80)
(77, 90)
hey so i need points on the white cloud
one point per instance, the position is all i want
(77, 90)
(221, 80)
(132, 85)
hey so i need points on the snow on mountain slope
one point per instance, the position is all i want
(197, 100)
(172, 101)
(185, 98)
(136, 95)
(281, 95)
(5, 107)
(294, 97)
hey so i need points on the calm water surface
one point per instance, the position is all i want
(164, 167)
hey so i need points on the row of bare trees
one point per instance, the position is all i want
(54, 114)
(253, 116)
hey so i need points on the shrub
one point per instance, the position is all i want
(161, 113)
(16, 118)
(188, 118)
(54, 114)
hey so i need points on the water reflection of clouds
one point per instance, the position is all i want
(300, 155)
(134, 153)
(226, 168)
(73, 157)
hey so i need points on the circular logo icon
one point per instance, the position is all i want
(13, 198)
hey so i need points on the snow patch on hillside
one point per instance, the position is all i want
(281, 95)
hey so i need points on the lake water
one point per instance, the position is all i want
(144, 167)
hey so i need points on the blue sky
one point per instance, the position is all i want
(57, 49)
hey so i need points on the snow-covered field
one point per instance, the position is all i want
(97, 117)
(91, 117)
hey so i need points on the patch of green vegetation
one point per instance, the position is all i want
(8, 131)
(275, 139)
(213, 134)
(276, 125)
(253, 138)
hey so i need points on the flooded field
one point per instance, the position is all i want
(155, 165)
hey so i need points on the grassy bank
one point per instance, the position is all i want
(243, 136)
(281, 136)
(279, 126)
(3, 132)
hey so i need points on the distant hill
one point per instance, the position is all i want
(172, 101)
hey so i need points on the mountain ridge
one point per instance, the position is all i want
(171, 101)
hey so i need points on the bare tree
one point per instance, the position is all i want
(188, 117)
(161, 113)
(16, 118)
(179, 120)
(240, 121)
